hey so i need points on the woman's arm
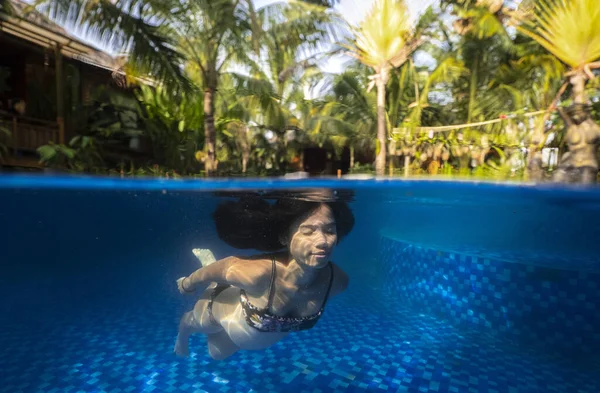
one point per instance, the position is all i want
(244, 274)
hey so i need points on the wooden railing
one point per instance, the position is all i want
(27, 134)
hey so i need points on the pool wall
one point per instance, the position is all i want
(556, 310)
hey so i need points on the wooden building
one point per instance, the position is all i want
(45, 74)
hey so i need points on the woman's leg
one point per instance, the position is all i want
(196, 321)
(187, 326)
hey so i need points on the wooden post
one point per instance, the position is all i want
(60, 95)
(339, 173)
(14, 136)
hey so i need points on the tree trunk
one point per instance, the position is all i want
(392, 154)
(351, 156)
(472, 90)
(578, 83)
(60, 95)
(244, 162)
(381, 128)
(246, 147)
(210, 134)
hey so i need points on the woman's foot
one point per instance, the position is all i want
(182, 347)
(205, 256)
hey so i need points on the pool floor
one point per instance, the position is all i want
(365, 342)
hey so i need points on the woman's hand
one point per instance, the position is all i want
(183, 286)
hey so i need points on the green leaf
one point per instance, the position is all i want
(74, 140)
(66, 151)
(46, 152)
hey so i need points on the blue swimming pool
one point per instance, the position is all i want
(454, 287)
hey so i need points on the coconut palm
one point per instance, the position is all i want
(166, 38)
(347, 113)
(161, 36)
(271, 90)
(292, 40)
(139, 28)
(214, 33)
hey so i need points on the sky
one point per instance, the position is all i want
(354, 11)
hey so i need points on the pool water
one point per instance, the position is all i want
(454, 287)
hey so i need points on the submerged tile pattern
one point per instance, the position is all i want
(109, 335)
(528, 304)
(541, 259)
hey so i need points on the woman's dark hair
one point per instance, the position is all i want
(253, 223)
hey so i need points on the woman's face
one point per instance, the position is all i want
(313, 237)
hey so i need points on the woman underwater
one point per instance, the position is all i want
(251, 303)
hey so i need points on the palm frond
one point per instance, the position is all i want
(569, 29)
(448, 71)
(318, 26)
(124, 27)
(384, 33)
(6, 7)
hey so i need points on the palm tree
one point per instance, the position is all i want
(169, 40)
(139, 28)
(161, 36)
(570, 30)
(293, 38)
(420, 110)
(503, 73)
(214, 33)
(348, 112)
(385, 39)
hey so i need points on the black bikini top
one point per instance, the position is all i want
(264, 321)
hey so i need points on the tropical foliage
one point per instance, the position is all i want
(566, 28)
(385, 39)
(467, 87)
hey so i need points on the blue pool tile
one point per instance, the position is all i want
(370, 339)
(533, 305)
